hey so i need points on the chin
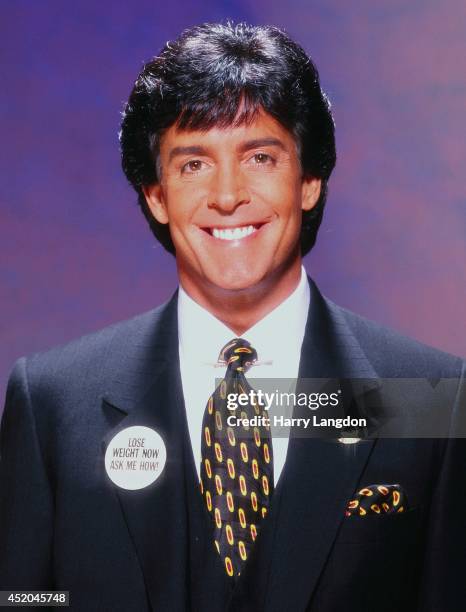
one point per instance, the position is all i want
(236, 280)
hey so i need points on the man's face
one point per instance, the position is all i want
(233, 198)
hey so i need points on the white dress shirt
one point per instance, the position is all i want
(277, 339)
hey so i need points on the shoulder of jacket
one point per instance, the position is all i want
(393, 354)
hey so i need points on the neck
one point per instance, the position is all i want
(240, 309)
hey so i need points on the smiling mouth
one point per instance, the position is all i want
(233, 233)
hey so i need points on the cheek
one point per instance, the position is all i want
(181, 204)
(286, 205)
(280, 190)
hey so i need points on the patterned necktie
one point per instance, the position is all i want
(237, 462)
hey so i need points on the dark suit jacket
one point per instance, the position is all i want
(64, 525)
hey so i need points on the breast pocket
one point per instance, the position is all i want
(376, 529)
(373, 564)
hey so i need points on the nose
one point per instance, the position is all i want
(228, 189)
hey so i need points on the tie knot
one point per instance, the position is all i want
(238, 354)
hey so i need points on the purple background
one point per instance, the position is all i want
(76, 252)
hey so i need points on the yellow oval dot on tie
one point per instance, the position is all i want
(218, 420)
(385, 507)
(253, 532)
(210, 405)
(208, 468)
(218, 518)
(231, 468)
(242, 518)
(244, 452)
(362, 512)
(265, 485)
(229, 532)
(208, 500)
(255, 469)
(242, 550)
(231, 436)
(202, 486)
(257, 437)
(354, 503)
(382, 490)
(375, 508)
(245, 424)
(218, 484)
(223, 389)
(264, 512)
(242, 485)
(217, 546)
(266, 452)
(229, 566)
(218, 452)
(254, 501)
(230, 504)
(396, 498)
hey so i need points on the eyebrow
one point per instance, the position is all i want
(245, 146)
(261, 142)
(192, 150)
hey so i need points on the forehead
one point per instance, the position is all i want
(261, 127)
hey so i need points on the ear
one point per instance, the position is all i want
(156, 202)
(310, 192)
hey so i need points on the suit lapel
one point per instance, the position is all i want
(320, 475)
(155, 516)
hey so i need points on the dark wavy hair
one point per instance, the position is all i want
(221, 75)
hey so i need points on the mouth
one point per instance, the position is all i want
(233, 233)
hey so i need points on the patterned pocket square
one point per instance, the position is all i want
(378, 499)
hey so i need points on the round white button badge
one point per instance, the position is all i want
(135, 457)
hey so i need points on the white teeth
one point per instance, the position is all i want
(233, 234)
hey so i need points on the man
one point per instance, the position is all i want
(229, 143)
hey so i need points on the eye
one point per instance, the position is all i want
(262, 159)
(194, 165)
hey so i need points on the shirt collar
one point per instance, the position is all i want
(202, 336)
